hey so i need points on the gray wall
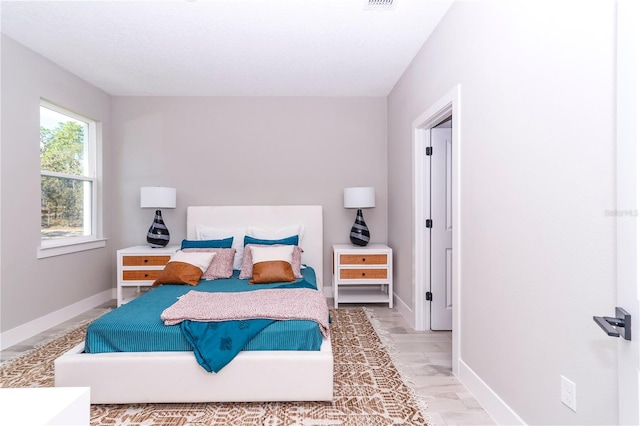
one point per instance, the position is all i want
(215, 151)
(537, 175)
(245, 151)
(32, 288)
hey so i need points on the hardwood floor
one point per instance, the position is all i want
(424, 358)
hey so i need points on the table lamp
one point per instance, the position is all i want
(158, 197)
(359, 198)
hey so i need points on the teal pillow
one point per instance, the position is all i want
(289, 241)
(226, 243)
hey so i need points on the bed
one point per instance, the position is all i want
(253, 375)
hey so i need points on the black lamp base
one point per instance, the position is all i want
(359, 232)
(158, 235)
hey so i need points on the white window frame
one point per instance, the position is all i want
(94, 240)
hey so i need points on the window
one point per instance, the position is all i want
(68, 181)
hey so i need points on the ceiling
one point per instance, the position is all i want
(227, 47)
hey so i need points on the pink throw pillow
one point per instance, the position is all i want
(222, 264)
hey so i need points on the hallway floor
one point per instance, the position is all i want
(424, 357)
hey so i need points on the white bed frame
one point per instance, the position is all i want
(145, 377)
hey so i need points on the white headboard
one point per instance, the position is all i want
(267, 217)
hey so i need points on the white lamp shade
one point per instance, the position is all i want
(157, 197)
(361, 197)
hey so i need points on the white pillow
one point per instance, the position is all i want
(265, 254)
(276, 234)
(208, 233)
(201, 260)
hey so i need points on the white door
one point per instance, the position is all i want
(628, 198)
(441, 230)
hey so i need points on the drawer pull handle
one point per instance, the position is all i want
(363, 274)
(146, 260)
(364, 259)
(146, 275)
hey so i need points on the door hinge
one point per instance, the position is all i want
(429, 296)
(429, 223)
(429, 150)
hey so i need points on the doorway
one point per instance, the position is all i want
(446, 107)
(440, 226)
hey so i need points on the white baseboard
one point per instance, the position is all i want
(499, 411)
(406, 312)
(328, 292)
(30, 329)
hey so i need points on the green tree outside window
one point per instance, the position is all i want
(63, 183)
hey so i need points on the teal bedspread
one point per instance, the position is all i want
(137, 327)
(215, 344)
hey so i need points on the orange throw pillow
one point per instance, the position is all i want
(272, 271)
(179, 273)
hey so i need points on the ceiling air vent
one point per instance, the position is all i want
(379, 4)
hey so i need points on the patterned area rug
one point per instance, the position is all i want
(368, 389)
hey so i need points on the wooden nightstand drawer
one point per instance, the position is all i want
(363, 274)
(364, 259)
(145, 260)
(152, 274)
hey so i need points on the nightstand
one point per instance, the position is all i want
(139, 266)
(362, 274)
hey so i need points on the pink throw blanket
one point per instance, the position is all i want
(277, 304)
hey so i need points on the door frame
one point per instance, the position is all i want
(627, 198)
(447, 105)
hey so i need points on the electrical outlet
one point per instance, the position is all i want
(568, 392)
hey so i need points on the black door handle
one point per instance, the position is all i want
(613, 326)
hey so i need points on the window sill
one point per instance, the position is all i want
(73, 247)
